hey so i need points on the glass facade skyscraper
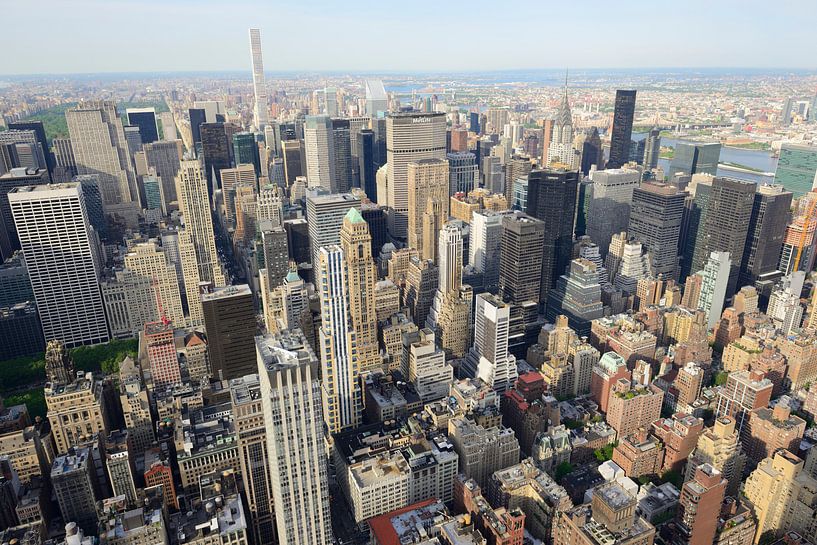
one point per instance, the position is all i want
(797, 168)
(695, 158)
(622, 128)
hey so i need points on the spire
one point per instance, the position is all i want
(564, 116)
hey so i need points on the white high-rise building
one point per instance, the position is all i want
(423, 365)
(63, 263)
(325, 212)
(489, 359)
(784, 308)
(293, 422)
(450, 259)
(376, 98)
(320, 152)
(410, 137)
(484, 245)
(100, 147)
(715, 279)
(259, 85)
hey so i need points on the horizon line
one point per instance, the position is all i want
(575, 71)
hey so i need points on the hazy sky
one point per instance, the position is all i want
(69, 36)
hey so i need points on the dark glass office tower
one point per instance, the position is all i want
(379, 128)
(767, 229)
(197, 118)
(725, 225)
(245, 151)
(592, 152)
(229, 317)
(375, 217)
(552, 198)
(365, 149)
(622, 129)
(145, 119)
(39, 130)
(216, 139)
(473, 124)
(695, 208)
(343, 155)
(656, 215)
(695, 158)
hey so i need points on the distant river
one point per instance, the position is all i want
(759, 159)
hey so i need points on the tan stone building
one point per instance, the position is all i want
(783, 496)
(427, 204)
(76, 412)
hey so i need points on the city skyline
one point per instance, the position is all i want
(321, 47)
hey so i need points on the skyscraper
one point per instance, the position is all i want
(377, 101)
(725, 225)
(325, 213)
(463, 172)
(216, 147)
(293, 152)
(100, 147)
(695, 158)
(489, 358)
(796, 168)
(320, 153)
(520, 267)
(608, 210)
(194, 205)
(342, 396)
(561, 150)
(622, 131)
(714, 286)
(450, 312)
(652, 149)
(39, 131)
(410, 137)
(767, 230)
(552, 199)
(291, 397)
(427, 204)
(361, 278)
(341, 141)
(229, 318)
(259, 86)
(245, 151)
(145, 119)
(365, 167)
(251, 434)
(484, 246)
(165, 158)
(655, 221)
(147, 260)
(63, 262)
(74, 481)
(577, 295)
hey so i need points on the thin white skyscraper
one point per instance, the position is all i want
(259, 84)
(489, 358)
(319, 149)
(63, 263)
